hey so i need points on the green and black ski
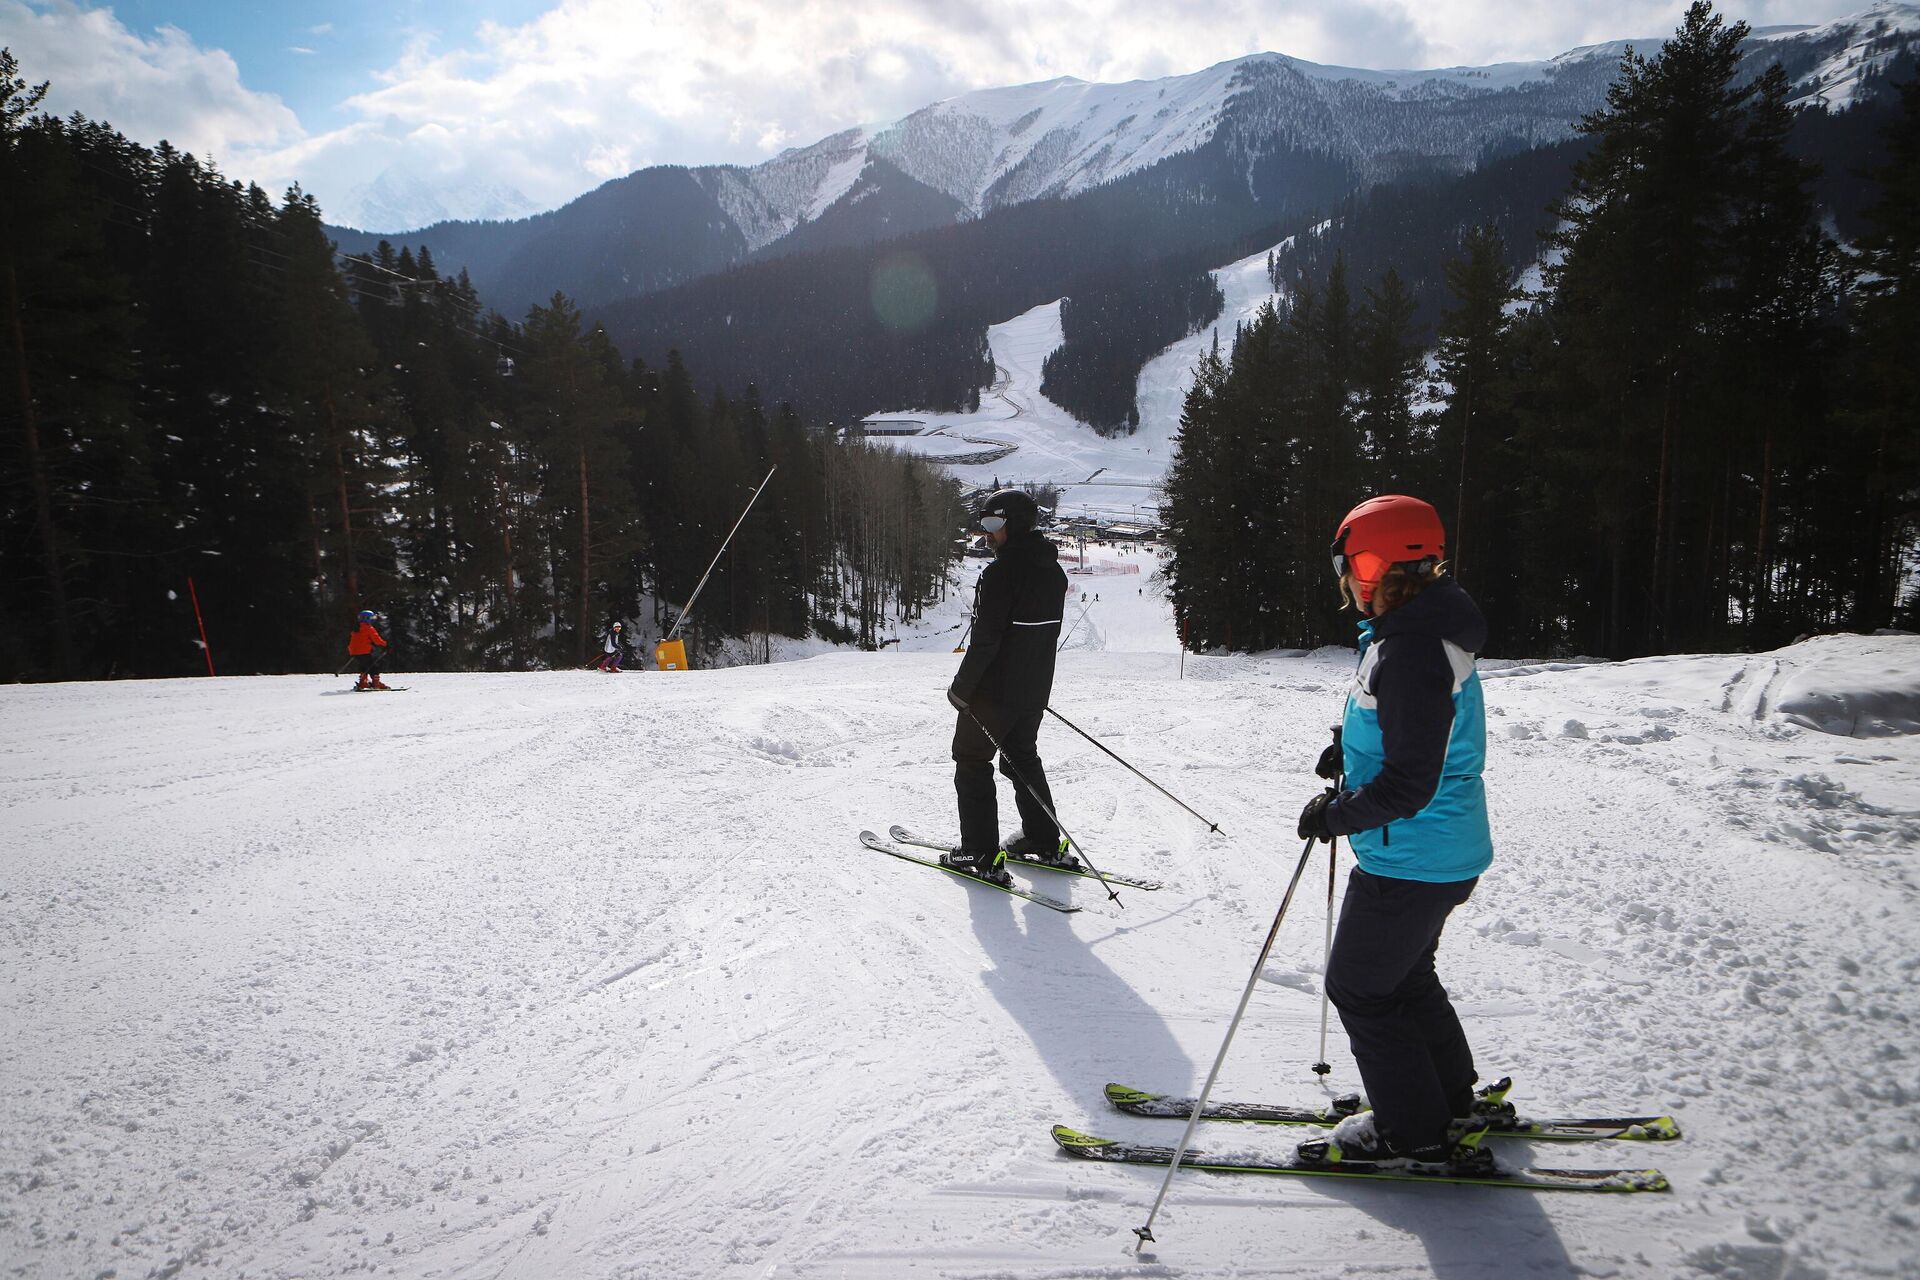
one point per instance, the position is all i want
(904, 836)
(1088, 1147)
(873, 841)
(1502, 1122)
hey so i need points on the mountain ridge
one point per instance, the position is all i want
(992, 148)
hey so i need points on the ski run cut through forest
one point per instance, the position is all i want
(561, 974)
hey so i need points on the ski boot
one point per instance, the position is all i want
(364, 684)
(981, 866)
(378, 683)
(1356, 1141)
(1490, 1108)
(1346, 1104)
(1042, 851)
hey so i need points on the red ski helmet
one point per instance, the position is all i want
(1386, 531)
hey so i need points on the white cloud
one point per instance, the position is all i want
(165, 87)
(595, 88)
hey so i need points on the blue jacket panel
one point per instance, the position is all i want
(1414, 741)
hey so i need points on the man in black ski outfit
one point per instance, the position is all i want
(1003, 686)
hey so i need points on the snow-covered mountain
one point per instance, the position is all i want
(992, 148)
(995, 147)
(403, 201)
(1846, 52)
(770, 200)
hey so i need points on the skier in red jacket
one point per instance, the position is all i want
(361, 647)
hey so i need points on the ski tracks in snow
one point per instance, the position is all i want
(545, 975)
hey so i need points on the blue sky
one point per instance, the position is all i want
(316, 56)
(545, 99)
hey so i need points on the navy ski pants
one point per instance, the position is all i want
(1406, 1039)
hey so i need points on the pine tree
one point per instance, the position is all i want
(323, 359)
(1387, 381)
(19, 179)
(1473, 362)
(1672, 228)
(577, 421)
(1885, 441)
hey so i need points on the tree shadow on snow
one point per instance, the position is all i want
(1088, 1025)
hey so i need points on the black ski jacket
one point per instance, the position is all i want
(1016, 625)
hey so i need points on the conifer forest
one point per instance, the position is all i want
(205, 406)
(1700, 432)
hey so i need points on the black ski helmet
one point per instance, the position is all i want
(1015, 506)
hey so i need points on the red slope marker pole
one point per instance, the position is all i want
(205, 647)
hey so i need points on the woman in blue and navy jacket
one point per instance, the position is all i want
(1413, 744)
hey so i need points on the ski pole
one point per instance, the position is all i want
(1076, 626)
(1145, 1231)
(1021, 778)
(972, 613)
(1322, 1066)
(1211, 826)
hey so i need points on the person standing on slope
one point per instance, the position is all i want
(360, 646)
(1002, 689)
(1413, 744)
(612, 649)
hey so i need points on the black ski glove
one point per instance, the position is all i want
(1313, 818)
(959, 703)
(1333, 762)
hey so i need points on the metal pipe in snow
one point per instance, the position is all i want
(688, 607)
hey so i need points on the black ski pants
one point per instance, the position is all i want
(1020, 760)
(1406, 1039)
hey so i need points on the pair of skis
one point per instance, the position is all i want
(904, 843)
(1501, 1120)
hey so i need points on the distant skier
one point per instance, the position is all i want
(1412, 746)
(613, 647)
(1002, 689)
(361, 647)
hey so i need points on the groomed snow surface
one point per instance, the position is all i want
(573, 975)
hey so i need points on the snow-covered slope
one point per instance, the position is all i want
(769, 200)
(1019, 436)
(1847, 51)
(1004, 146)
(572, 975)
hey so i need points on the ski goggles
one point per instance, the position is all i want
(993, 524)
(1365, 566)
